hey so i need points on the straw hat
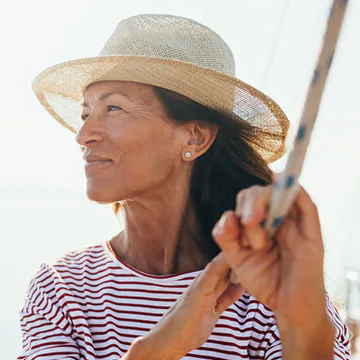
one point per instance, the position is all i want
(171, 52)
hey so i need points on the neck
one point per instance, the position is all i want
(161, 234)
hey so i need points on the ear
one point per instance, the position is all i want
(201, 136)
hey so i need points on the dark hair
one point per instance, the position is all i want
(229, 165)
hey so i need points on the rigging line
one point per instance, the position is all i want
(275, 44)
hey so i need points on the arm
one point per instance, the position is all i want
(146, 349)
(309, 344)
(45, 327)
(284, 272)
(329, 340)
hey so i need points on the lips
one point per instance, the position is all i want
(89, 158)
(96, 165)
(96, 162)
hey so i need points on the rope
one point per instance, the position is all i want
(286, 185)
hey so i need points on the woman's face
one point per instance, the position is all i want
(129, 143)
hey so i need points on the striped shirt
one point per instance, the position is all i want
(91, 305)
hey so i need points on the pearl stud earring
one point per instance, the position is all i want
(188, 154)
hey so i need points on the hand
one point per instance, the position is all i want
(192, 318)
(285, 274)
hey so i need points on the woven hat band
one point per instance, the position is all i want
(173, 38)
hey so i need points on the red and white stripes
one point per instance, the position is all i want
(91, 305)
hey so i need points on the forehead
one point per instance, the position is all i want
(132, 90)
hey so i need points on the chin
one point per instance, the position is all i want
(100, 194)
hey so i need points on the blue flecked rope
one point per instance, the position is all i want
(286, 185)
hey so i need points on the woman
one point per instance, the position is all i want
(181, 148)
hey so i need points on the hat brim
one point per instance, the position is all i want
(60, 90)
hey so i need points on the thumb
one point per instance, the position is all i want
(308, 215)
(227, 234)
(216, 270)
(230, 295)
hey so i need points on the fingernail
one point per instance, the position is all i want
(219, 225)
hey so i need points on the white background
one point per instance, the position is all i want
(44, 211)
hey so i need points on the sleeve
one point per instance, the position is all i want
(342, 334)
(341, 341)
(46, 331)
(274, 350)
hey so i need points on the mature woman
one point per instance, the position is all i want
(181, 148)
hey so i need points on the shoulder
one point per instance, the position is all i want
(90, 255)
(77, 262)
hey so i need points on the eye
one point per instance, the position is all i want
(109, 107)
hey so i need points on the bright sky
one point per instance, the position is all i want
(44, 211)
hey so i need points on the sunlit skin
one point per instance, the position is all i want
(144, 163)
(148, 169)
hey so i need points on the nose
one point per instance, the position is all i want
(90, 132)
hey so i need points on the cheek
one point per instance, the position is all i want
(144, 156)
(143, 159)
(147, 161)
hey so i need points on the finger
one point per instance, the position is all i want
(289, 238)
(309, 222)
(228, 225)
(226, 234)
(287, 233)
(215, 271)
(253, 205)
(223, 284)
(257, 237)
(229, 296)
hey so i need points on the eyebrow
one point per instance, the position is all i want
(105, 95)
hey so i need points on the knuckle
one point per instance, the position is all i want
(210, 266)
(316, 213)
(252, 190)
(239, 196)
(311, 202)
(245, 193)
(257, 188)
(315, 208)
(252, 196)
